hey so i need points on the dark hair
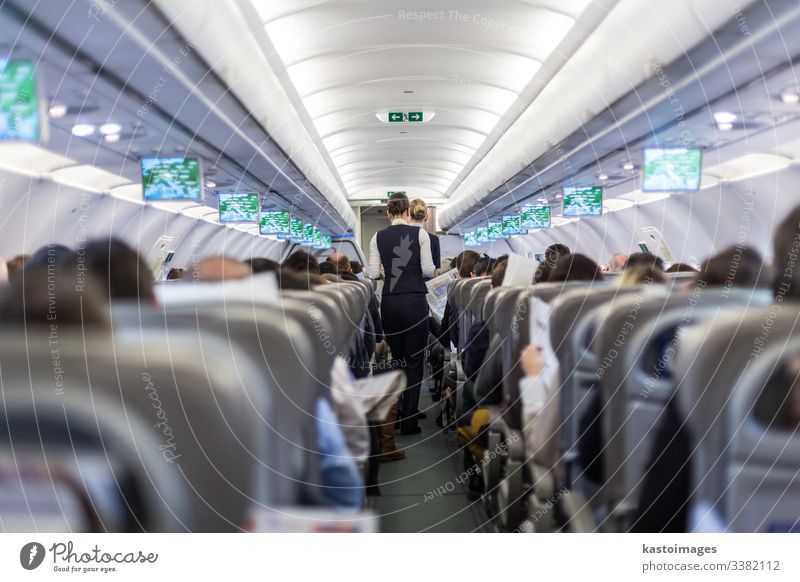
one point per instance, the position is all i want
(175, 274)
(340, 261)
(120, 269)
(733, 267)
(327, 268)
(356, 267)
(499, 271)
(398, 204)
(348, 276)
(680, 268)
(52, 254)
(465, 263)
(786, 246)
(644, 260)
(575, 267)
(262, 265)
(642, 275)
(551, 256)
(59, 294)
(301, 261)
(289, 279)
(484, 265)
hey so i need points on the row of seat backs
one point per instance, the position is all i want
(744, 465)
(182, 435)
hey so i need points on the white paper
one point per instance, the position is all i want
(519, 271)
(437, 292)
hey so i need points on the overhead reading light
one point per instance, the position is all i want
(211, 184)
(790, 96)
(724, 117)
(602, 176)
(58, 110)
(111, 137)
(83, 129)
(628, 166)
(541, 199)
(724, 126)
(110, 128)
(559, 195)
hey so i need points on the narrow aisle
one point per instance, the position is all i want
(422, 492)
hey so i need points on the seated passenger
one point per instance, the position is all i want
(175, 274)
(301, 262)
(448, 331)
(551, 256)
(357, 268)
(263, 265)
(641, 275)
(616, 263)
(124, 273)
(644, 260)
(341, 263)
(327, 268)
(15, 265)
(680, 268)
(575, 267)
(665, 496)
(342, 485)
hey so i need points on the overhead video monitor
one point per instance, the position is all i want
(535, 217)
(583, 201)
(308, 234)
(471, 239)
(671, 169)
(275, 223)
(482, 235)
(317, 239)
(495, 230)
(296, 230)
(172, 179)
(19, 104)
(512, 224)
(238, 207)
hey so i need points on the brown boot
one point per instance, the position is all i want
(388, 451)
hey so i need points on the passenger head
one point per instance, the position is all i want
(175, 274)
(465, 263)
(483, 266)
(262, 265)
(418, 210)
(341, 262)
(120, 270)
(15, 265)
(327, 268)
(53, 254)
(575, 267)
(55, 295)
(552, 254)
(398, 206)
(214, 269)
(356, 267)
(347, 276)
(617, 262)
(499, 272)
(644, 260)
(680, 268)
(641, 276)
(301, 262)
(786, 246)
(289, 280)
(733, 267)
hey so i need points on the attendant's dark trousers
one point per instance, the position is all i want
(405, 325)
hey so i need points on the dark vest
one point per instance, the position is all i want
(436, 251)
(398, 246)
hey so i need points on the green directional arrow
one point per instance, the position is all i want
(395, 116)
(415, 116)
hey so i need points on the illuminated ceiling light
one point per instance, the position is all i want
(602, 176)
(211, 184)
(83, 129)
(628, 166)
(559, 196)
(541, 199)
(111, 137)
(724, 118)
(109, 128)
(724, 126)
(790, 96)
(58, 110)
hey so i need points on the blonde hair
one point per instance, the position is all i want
(418, 209)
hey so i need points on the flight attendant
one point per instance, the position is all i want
(419, 216)
(401, 253)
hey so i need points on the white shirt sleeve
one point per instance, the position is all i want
(374, 267)
(428, 268)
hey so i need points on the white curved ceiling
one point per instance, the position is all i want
(466, 62)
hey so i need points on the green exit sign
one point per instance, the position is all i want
(405, 117)
(390, 194)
